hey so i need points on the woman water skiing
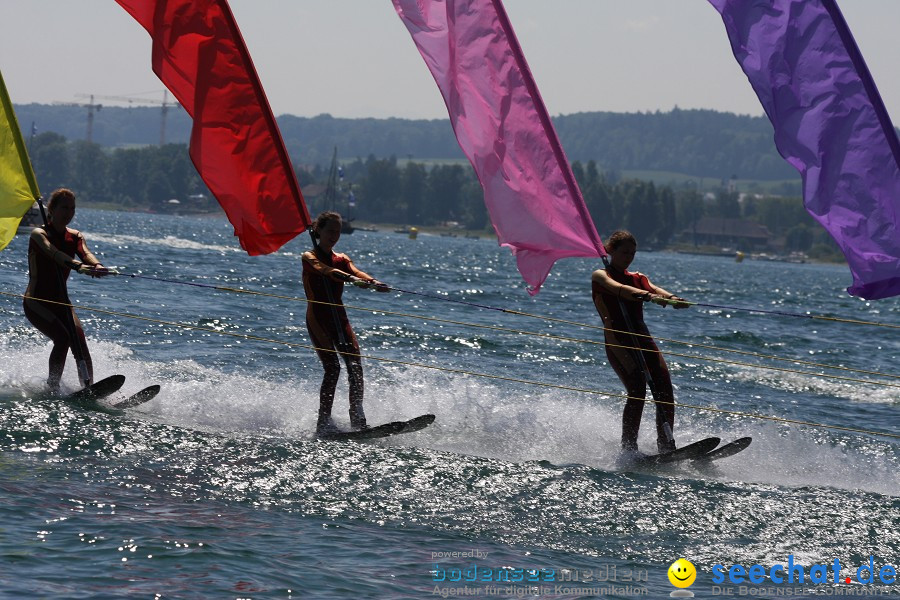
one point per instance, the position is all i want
(51, 256)
(619, 297)
(324, 274)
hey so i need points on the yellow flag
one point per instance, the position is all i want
(18, 187)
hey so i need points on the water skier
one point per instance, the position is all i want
(51, 257)
(613, 289)
(324, 274)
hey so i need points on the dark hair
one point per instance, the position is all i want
(323, 219)
(60, 194)
(617, 238)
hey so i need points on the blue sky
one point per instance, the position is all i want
(354, 58)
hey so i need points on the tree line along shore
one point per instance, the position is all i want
(664, 209)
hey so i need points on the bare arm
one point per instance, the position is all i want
(323, 269)
(626, 292)
(87, 257)
(366, 278)
(665, 298)
(620, 290)
(357, 273)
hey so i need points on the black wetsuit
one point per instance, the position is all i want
(625, 361)
(49, 266)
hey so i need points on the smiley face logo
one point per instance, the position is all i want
(682, 573)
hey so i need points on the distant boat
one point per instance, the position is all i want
(31, 220)
(331, 194)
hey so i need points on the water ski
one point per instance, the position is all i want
(94, 392)
(145, 395)
(729, 449)
(691, 451)
(381, 431)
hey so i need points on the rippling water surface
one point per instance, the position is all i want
(217, 488)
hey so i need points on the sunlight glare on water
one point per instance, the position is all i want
(218, 486)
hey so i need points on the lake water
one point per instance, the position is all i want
(218, 489)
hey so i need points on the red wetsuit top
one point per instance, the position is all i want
(47, 277)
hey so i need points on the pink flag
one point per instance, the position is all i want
(199, 54)
(503, 128)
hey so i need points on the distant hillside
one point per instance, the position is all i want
(701, 143)
(113, 126)
(698, 143)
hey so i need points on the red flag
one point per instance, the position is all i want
(199, 54)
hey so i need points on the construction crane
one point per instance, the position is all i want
(91, 108)
(164, 105)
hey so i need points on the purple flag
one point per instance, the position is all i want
(830, 124)
(503, 128)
